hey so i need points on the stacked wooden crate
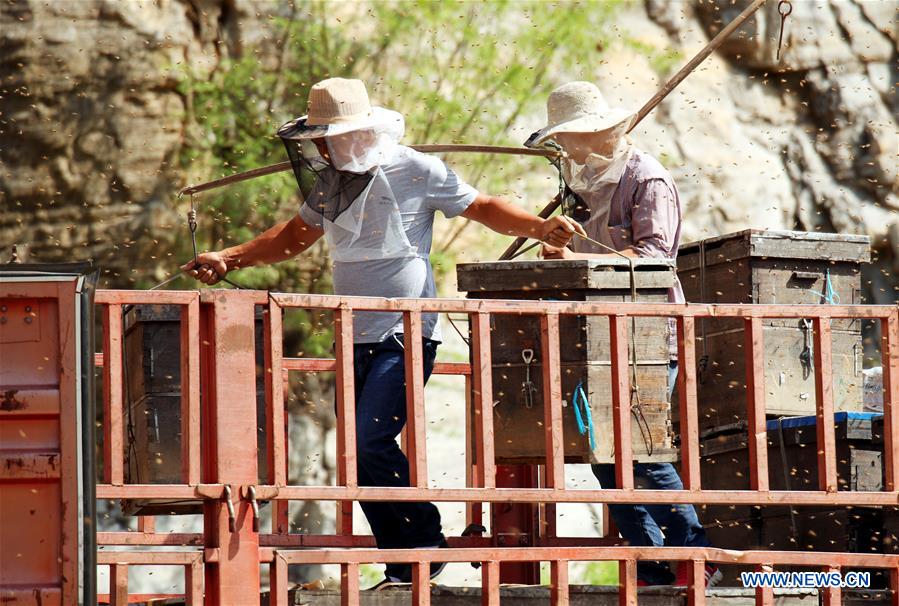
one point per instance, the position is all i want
(793, 465)
(774, 267)
(585, 355)
(783, 267)
(152, 371)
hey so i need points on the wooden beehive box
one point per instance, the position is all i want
(725, 465)
(152, 373)
(773, 267)
(585, 358)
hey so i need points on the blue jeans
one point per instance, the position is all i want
(380, 374)
(644, 525)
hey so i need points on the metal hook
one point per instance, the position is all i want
(254, 504)
(527, 355)
(226, 494)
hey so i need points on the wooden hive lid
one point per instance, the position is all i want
(598, 274)
(777, 244)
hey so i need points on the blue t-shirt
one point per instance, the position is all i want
(421, 185)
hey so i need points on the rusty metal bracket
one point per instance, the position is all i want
(230, 505)
(249, 493)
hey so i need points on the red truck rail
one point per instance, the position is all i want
(219, 462)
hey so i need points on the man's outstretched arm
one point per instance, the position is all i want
(279, 243)
(506, 218)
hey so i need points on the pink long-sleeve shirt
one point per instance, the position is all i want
(646, 215)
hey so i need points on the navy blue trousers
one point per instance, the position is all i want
(654, 525)
(380, 374)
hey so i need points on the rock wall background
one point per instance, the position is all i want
(93, 124)
(806, 143)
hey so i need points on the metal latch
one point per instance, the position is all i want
(249, 493)
(226, 494)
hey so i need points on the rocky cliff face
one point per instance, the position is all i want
(93, 120)
(808, 142)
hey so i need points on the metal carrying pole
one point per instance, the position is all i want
(669, 86)
(431, 148)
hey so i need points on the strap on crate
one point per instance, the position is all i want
(580, 399)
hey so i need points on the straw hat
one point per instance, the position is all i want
(337, 106)
(578, 107)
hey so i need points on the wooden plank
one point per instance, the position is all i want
(349, 584)
(483, 400)
(554, 275)
(118, 583)
(894, 585)
(586, 338)
(812, 248)
(421, 584)
(890, 364)
(831, 596)
(346, 414)
(190, 392)
(552, 401)
(274, 392)
(194, 583)
(558, 595)
(689, 406)
(827, 465)
(415, 402)
(781, 244)
(627, 583)
(696, 582)
(66, 365)
(112, 396)
(755, 402)
(621, 404)
(490, 583)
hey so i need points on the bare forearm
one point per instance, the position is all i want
(504, 217)
(279, 243)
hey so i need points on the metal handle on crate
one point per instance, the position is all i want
(805, 275)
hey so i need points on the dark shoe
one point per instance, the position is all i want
(402, 573)
(386, 583)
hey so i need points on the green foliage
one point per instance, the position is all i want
(661, 61)
(599, 573)
(585, 573)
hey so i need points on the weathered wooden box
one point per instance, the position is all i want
(152, 373)
(859, 449)
(774, 267)
(792, 465)
(585, 357)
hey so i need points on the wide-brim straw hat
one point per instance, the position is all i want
(578, 107)
(337, 106)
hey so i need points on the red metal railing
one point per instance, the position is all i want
(217, 331)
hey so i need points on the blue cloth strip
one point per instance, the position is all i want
(809, 421)
(584, 428)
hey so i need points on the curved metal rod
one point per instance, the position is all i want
(431, 148)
